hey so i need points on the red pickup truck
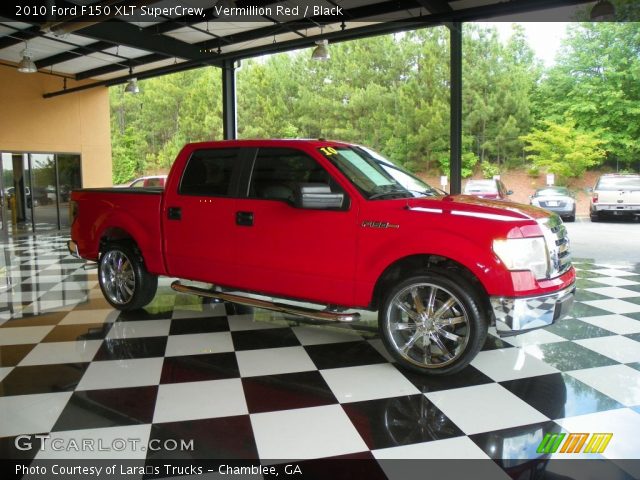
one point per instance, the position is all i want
(336, 225)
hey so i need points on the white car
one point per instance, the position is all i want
(615, 194)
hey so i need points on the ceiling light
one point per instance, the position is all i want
(603, 11)
(132, 84)
(321, 52)
(26, 65)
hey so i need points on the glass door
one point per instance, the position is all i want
(35, 190)
(43, 198)
(14, 193)
(69, 178)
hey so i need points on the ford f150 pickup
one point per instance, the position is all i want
(338, 226)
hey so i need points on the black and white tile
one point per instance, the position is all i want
(261, 386)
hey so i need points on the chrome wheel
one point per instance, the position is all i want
(117, 277)
(427, 325)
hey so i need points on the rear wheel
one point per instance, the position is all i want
(595, 216)
(432, 323)
(124, 280)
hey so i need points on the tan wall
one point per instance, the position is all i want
(73, 123)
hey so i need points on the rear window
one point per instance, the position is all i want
(618, 183)
(551, 192)
(209, 172)
(481, 187)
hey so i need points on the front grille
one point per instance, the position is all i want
(558, 245)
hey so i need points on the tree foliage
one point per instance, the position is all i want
(596, 82)
(392, 93)
(563, 150)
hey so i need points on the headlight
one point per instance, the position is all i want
(524, 254)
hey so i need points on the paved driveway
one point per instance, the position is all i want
(612, 241)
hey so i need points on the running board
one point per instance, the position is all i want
(326, 315)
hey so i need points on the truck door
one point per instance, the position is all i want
(199, 217)
(289, 251)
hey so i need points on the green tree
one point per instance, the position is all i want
(596, 82)
(563, 150)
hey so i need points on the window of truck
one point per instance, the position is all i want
(618, 183)
(210, 172)
(373, 175)
(277, 171)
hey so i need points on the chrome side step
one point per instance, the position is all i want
(326, 315)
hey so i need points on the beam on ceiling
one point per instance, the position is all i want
(19, 36)
(124, 33)
(471, 14)
(114, 67)
(156, 72)
(73, 54)
(436, 6)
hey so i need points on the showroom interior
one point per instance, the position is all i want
(215, 381)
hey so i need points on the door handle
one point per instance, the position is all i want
(244, 219)
(174, 213)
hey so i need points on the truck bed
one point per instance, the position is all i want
(135, 210)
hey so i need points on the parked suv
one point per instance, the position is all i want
(615, 195)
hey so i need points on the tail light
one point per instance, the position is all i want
(594, 198)
(73, 210)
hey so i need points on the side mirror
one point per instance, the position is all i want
(317, 196)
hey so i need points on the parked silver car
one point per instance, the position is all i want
(556, 199)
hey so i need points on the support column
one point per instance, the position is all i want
(455, 66)
(229, 114)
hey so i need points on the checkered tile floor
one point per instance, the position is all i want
(262, 386)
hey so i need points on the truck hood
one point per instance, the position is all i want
(467, 205)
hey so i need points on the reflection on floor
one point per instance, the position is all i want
(261, 386)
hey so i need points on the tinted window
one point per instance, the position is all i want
(277, 171)
(618, 183)
(209, 172)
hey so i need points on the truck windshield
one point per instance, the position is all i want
(375, 176)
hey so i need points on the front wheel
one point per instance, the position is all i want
(432, 324)
(124, 281)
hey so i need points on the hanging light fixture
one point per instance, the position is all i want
(132, 84)
(321, 52)
(603, 11)
(26, 64)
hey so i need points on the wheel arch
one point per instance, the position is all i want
(421, 263)
(121, 229)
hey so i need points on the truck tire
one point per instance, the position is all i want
(432, 323)
(124, 281)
